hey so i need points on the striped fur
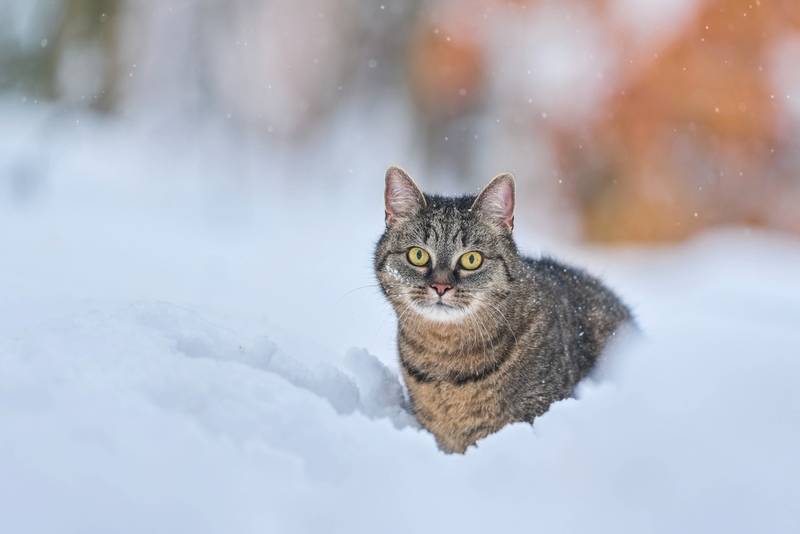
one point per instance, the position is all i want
(509, 338)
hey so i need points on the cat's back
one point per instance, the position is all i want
(559, 285)
(573, 317)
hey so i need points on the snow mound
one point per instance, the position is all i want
(177, 357)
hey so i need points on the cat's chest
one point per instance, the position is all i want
(458, 414)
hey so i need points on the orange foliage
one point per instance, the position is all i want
(693, 138)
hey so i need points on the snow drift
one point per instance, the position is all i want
(181, 355)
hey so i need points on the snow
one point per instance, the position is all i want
(187, 346)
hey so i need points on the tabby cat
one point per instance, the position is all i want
(486, 336)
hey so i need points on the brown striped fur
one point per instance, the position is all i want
(507, 339)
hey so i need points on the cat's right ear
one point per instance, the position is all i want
(402, 197)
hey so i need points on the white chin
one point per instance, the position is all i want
(441, 314)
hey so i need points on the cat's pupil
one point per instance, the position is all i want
(419, 254)
(472, 258)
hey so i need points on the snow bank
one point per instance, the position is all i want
(176, 355)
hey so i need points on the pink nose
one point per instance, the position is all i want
(441, 289)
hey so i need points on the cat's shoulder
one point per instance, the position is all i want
(547, 265)
(547, 268)
(557, 278)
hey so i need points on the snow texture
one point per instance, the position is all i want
(186, 346)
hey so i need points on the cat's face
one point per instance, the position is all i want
(443, 259)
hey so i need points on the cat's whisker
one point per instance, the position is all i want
(351, 291)
(406, 309)
(465, 340)
(496, 309)
(498, 319)
(488, 338)
(479, 339)
(479, 331)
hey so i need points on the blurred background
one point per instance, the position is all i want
(623, 120)
(191, 336)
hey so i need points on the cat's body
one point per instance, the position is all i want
(514, 365)
(484, 346)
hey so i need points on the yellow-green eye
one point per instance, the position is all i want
(471, 260)
(418, 257)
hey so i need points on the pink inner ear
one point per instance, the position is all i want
(497, 201)
(402, 197)
(506, 201)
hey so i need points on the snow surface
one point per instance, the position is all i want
(186, 346)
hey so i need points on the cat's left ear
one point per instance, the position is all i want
(496, 201)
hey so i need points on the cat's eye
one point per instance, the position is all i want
(418, 256)
(471, 260)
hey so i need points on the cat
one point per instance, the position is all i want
(486, 336)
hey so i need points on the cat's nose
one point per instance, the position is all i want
(441, 289)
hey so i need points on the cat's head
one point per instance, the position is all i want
(444, 258)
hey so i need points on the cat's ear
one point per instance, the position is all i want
(496, 201)
(402, 196)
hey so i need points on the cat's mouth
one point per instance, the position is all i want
(426, 304)
(440, 311)
(440, 302)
